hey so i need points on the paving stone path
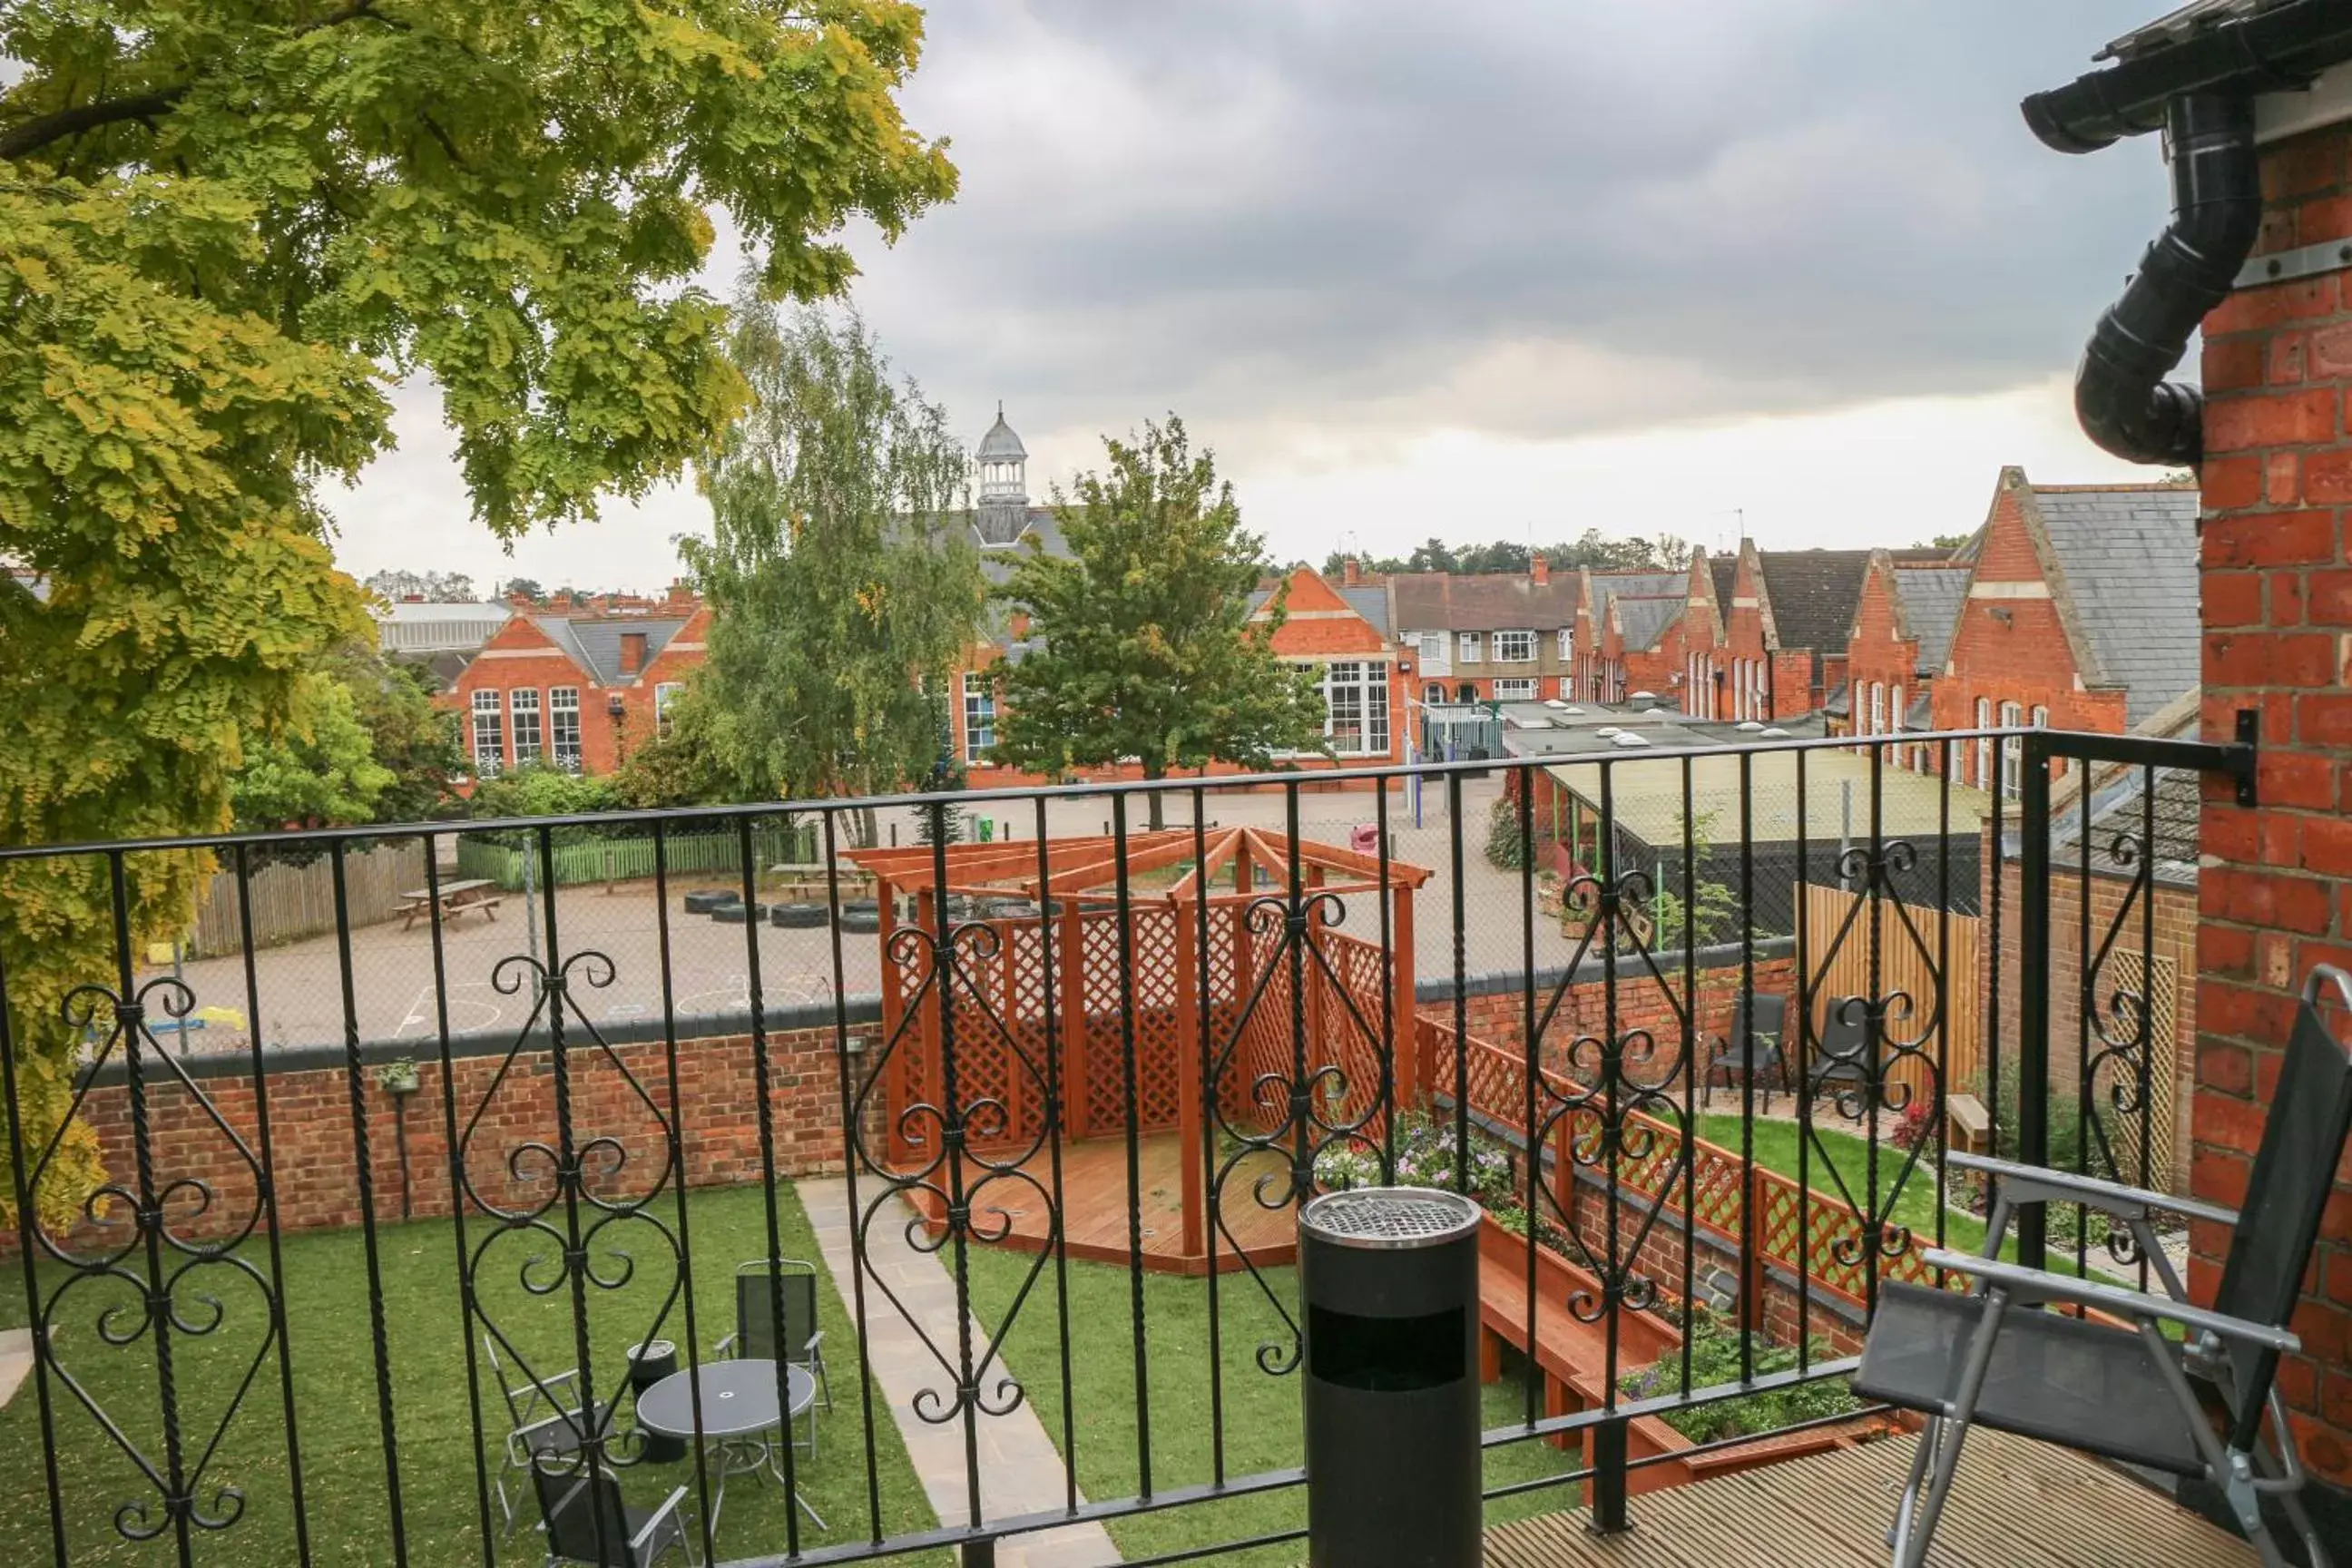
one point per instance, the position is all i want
(1020, 1468)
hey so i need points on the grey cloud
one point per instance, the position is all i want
(1300, 214)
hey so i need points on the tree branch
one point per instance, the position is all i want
(36, 133)
(20, 140)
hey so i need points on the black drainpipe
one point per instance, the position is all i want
(2120, 394)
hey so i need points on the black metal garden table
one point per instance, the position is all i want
(739, 1411)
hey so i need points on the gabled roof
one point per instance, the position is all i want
(1644, 619)
(1931, 597)
(595, 645)
(1369, 600)
(1724, 572)
(1812, 594)
(1483, 601)
(1001, 539)
(2127, 560)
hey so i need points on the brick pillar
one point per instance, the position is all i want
(2277, 613)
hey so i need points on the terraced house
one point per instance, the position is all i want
(1502, 637)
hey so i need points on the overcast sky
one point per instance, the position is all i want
(1483, 270)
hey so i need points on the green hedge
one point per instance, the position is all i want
(625, 859)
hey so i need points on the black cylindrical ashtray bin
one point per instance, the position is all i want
(648, 1364)
(1390, 1279)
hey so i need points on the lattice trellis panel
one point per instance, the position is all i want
(2160, 982)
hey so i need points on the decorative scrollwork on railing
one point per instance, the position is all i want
(1603, 1108)
(156, 1268)
(2115, 1096)
(968, 1157)
(564, 1204)
(1304, 1100)
(1873, 1053)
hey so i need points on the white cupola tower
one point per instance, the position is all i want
(1003, 464)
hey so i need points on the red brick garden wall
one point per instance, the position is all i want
(317, 1163)
(1499, 1016)
(2276, 891)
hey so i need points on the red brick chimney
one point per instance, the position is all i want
(633, 652)
(681, 592)
(1540, 569)
(1352, 571)
(1020, 625)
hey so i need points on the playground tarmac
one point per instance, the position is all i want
(395, 994)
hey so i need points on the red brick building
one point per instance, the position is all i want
(1628, 637)
(2080, 613)
(1343, 630)
(1766, 633)
(1897, 647)
(576, 691)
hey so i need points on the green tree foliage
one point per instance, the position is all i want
(223, 227)
(1149, 650)
(1946, 541)
(319, 771)
(527, 586)
(1659, 553)
(681, 768)
(415, 741)
(842, 577)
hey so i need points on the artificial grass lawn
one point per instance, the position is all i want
(1916, 1204)
(335, 1398)
(1260, 1411)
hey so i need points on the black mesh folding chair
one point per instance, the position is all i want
(1749, 1050)
(536, 1412)
(587, 1521)
(2130, 1393)
(793, 1282)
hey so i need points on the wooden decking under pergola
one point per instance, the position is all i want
(1167, 1021)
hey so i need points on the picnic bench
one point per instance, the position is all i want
(462, 897)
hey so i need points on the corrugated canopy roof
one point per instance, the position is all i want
(1646, 796)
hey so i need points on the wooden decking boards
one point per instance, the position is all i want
(2019, 1504)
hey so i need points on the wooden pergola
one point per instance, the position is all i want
(1060, 983)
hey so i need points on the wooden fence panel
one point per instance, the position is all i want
(291, 901)
(1908, 947)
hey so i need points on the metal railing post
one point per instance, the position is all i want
(1608, 1516)
(2032, 984)
(977, 1554)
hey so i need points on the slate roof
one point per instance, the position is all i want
(1919, 713)
(1481, 601)
(1370, 601)
(1841, 702)
(1725, 570)
(596, 644)
(1813, 593)
(997, 554)
(2128, 553)
(1645, 618)
(1932, 597)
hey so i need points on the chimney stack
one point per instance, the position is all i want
(1540, 569)
(633, 652)
(1352, 571)
(1020, 625)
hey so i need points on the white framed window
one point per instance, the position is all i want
(489, 735)
(1983, 779)
(2013, 753)
(1356, 708)
(1472, 648)
(1432, 645)
(1877, 708)
(1515, 648)
(979, 717)
(665, 695)
(1434, 694)
(563, 727)
(1516, 688)
(1567, 644)
(529, 743)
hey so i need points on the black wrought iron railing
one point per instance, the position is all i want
(356, 1246)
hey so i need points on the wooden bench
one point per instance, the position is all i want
(1969, 1125)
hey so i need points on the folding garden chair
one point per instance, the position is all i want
(543, 1416)
(1749, 1050)
(755, 1324)
(2130, 1393)
(587, 1521)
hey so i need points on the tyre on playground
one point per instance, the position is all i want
(861, 915)
(734, 914)
(800, 917)
(702, 901)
